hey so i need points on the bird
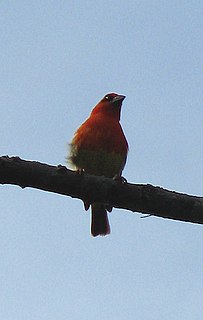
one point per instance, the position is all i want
(99, 147)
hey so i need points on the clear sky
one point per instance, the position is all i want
(58, 59)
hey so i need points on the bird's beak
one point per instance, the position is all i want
(118, 98)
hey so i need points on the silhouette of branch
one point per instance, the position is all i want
(146, 199)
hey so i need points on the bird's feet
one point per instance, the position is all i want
(80, 171)
(120, 179)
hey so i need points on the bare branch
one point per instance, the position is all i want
(134, 197)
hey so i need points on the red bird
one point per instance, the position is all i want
(99, 147)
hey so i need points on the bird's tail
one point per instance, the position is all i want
(100, 223)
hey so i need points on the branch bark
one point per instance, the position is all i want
(134, 197)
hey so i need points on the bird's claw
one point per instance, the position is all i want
(108, 208)
(80, 171)
(120, 179)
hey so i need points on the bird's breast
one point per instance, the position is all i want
(99, 147)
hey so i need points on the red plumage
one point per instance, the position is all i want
(99, 147)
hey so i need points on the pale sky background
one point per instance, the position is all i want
(58, 59)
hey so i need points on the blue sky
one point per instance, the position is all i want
(58, 58)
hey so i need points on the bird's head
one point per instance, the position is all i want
(110, 105)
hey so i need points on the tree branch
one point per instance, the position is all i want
(134, 197)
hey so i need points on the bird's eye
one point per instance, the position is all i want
(108, 97)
